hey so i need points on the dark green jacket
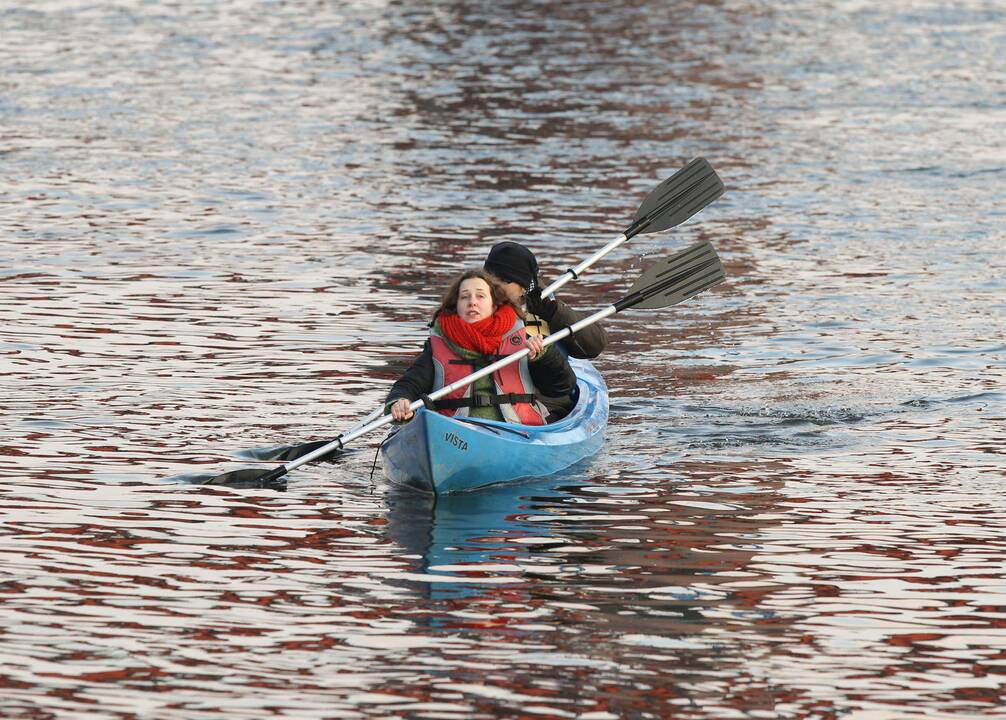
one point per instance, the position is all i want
(557, 315)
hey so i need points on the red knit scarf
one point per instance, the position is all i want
(482, 336)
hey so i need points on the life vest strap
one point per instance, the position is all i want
(485, 400)
(483, 361)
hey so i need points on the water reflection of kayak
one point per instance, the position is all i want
(470, 545)
(439, 454)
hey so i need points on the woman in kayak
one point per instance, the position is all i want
(474, 326)
(517, 267)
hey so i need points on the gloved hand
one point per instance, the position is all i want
(542, 307)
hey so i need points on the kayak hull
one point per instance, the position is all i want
(439, 454)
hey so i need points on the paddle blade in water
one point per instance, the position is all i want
(677, 198)
(250, 479)
(675, 279)
(286, 453)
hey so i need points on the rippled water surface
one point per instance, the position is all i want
(224, 224)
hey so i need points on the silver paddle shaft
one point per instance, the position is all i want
(575, 272)
(555, 337)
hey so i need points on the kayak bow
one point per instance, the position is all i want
(440, 454)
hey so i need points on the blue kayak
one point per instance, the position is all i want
(439, 454)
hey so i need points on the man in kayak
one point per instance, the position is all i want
(474, 326)
(517, 267)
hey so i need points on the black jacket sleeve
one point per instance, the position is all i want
(588, 342)
(417, 380)
(551, 374)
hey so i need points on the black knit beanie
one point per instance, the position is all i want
(512, 262)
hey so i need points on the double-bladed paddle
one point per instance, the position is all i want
(667, 282)
(671, 203)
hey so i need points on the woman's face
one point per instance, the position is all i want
(475, 300)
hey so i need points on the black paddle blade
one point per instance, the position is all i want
(250, 479)
(286, 453)
(675, 279)
(677, 198)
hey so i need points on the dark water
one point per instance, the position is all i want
(223, 225)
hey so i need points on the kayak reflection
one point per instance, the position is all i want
(467, 543)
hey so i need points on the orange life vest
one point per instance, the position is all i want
(515, 392)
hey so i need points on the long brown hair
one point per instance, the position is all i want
(449, 303)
